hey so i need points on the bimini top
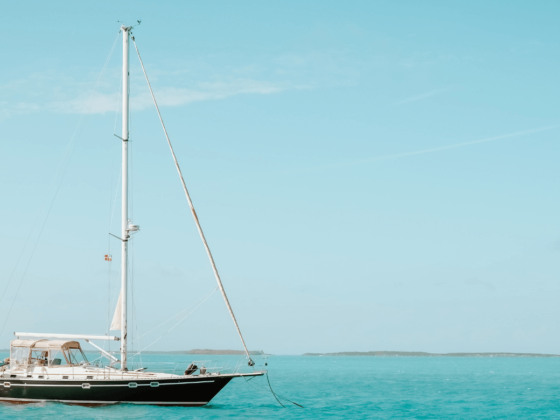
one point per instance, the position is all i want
(46, 344)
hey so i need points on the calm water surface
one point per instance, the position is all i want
(359, 387)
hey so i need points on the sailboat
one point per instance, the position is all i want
(54, 367)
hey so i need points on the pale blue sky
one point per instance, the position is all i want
(372, 175)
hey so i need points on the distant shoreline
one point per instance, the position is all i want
(209, 352)
(423, 354)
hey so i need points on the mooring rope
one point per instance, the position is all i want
(277, 396)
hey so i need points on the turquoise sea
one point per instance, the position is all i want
(358, 387)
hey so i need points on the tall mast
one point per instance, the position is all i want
(125, 236)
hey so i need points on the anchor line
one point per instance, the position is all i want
(277, 396)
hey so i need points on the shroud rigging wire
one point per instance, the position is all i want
(111, 211)
(181, 320)
(175, 316)
(61, 169)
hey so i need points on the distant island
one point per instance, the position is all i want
(423, 354)
(209, 352)
(229, 352)
(212, 352)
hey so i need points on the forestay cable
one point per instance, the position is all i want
(63, 166)
(251, 363)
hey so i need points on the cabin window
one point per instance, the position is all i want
(57, 357)
(19, 356)
(76, 357)
(46, 353)
(39, 357)
(70, 357)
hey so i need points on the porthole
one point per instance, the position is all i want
(86, 386)
(7, 385)
(154, 384)
(132, 385)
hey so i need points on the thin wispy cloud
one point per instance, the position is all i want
(430, 150)
(176, 82)
(480, 283)
(404, 155)
(422, 96)
(169, 96)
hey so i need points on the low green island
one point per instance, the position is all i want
(424, 354)
(212, 352)
(352, 353)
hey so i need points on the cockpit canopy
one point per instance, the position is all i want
(26, 353)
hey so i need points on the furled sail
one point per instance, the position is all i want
(116, 323)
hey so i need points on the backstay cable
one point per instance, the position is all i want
(251, 363)
(63, 166)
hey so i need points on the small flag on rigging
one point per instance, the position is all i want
(108, 257)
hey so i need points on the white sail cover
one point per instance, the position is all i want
(116, 323)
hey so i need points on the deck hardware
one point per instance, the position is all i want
(191, 369)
